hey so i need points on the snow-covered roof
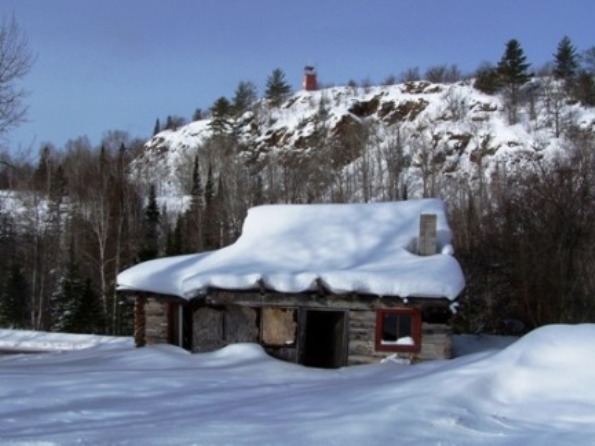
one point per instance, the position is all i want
(364, 248)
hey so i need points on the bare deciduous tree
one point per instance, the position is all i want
(15, 62)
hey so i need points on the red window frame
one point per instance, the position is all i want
(414, 315)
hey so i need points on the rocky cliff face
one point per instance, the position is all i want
(417, 134)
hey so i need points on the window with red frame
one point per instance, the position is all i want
(398, 330)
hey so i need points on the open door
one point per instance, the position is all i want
(179, 318)
(323, 338)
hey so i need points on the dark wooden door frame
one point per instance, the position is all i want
(342, 339)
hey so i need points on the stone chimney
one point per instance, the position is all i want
(427, 242)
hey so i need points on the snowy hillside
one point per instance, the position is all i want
(538, 390)
(455, 130)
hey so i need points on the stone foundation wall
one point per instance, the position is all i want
(156, 320)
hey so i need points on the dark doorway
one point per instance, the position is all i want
(180, 325)
(323, 338)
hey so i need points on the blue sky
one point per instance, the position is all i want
(121, 64)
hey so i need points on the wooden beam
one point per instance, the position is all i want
(140, 321)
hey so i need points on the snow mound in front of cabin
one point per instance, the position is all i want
(537, 366)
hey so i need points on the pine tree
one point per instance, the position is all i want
(513, 67)
(588, 60)
(76, 307)
(211, 226)
(486, 79)
(566, 61)
(197, 115)
(196, 191)
(58, 185)
(13, 299)
(88, 315)
(43, 173)
(175, 245)
(221, 110)
(244, 97)
(150, 243)
(66, 301)
(512, 74)
(191, 223)
(277, 89)
(157, 127)
(584, 88)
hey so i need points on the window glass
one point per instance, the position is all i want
(398, 330)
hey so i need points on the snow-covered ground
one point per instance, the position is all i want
(538, 390)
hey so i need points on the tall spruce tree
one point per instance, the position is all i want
(14, 296)
(244, 97)
(191, 225)
(566, 61)
(150, 243)
(513, 67)
(76, 307)
(221, 116)
(197, 115)
(174, 245)
(88, 316)
(486, 79)
(584, 88)
(512, 74)
(66, 301)
(277, 89)
(211, 223)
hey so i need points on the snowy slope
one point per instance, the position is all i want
(537, 391)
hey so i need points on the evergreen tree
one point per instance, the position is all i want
(150, 243)
(584, 88)
(43, 173)
(157, 127)
(277, 89)
(197, 115)
(566, 61)
(588, 60)
(191, 223)
(58, 185)
(486, 79)
(66, 301)
(211, 226)
(88, 315)
(175, 245)
(14, 299)
(221, 110)
(513, 67)
(76, 307)
(512, 74)
(244, 97)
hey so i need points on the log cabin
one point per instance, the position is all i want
(323, 285)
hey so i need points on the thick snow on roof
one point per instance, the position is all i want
(365, 248)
